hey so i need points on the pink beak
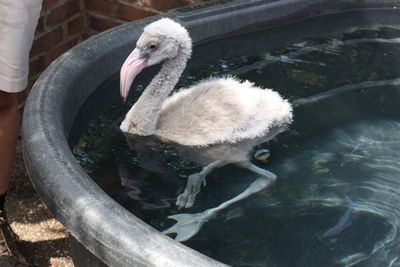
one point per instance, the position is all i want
(132, 66)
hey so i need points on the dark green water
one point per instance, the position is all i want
(345, 142)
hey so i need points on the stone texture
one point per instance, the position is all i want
(37, 65)
(41, 25)
(47, 41)
(48, 3)
(131, 12)
(101, 24)
(60, 49)
(63, 12)
(75, 25)
(163, 5)
(105, 7)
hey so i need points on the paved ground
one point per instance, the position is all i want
(44, 241)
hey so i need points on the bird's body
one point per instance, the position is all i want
(217, 121)
(221, 110)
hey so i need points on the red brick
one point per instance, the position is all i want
(75, 25)
(128, 12)
(48, 3)
(31, 82)
(46, 41)
(104, 7)
(40, 25)
(131, 1)
(60, 49)
(61, 13)
(164, 5)
(101, 24)
(36, 66)
(21, 96)
(87, 34)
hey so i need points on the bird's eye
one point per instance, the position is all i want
(152, 46)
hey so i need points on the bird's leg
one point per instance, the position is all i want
(188, 225)
(193, 185)
(270, 176)
(266, 178)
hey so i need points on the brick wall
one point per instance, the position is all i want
(65, 23)
(62, 24)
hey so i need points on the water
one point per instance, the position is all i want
(344, 144)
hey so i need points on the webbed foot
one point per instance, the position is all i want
(187, 225)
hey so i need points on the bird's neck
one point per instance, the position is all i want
(143, 116)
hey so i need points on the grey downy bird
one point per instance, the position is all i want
(218, 121)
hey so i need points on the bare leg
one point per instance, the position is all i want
(193, 185)
(9, 124)
(188, 225)
(263, 172)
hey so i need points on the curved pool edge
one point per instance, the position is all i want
(114, 235)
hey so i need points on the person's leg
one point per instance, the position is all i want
(9, 124)
(18, 20)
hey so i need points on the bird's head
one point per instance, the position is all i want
(160, 40)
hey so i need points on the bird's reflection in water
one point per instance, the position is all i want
(154, 185)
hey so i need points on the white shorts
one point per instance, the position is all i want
(18, 20)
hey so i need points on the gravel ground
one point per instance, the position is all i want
(44, 240)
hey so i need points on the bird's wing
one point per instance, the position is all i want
(221, 110)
